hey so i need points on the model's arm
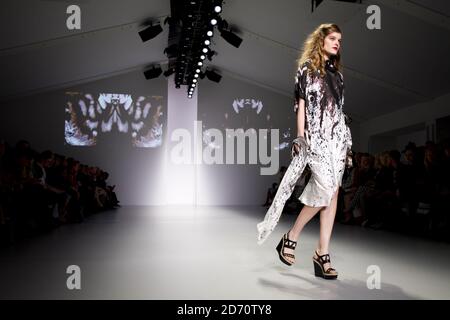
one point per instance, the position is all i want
(301, 118)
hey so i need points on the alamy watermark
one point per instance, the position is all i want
(73, 282)
(73, 21)
(374, 20)
(213, 146)
(374, 280)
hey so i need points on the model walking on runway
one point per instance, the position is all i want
(323, 143)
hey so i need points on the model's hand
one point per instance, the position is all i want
(297, 146)
(349, 159)
(296, 149)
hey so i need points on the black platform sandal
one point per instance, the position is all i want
(319, 271)
(285, 242)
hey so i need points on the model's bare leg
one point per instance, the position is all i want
(327, 215)
(306, 214)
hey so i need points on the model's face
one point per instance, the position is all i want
(332, 43)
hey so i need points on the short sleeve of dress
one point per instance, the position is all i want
(300, 86)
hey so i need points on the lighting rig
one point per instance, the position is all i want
(192, 25)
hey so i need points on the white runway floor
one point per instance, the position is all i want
(211, 253)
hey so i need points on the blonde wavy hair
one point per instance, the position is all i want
(313, 48)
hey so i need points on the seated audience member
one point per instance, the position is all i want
(381, 200)
(363, 181)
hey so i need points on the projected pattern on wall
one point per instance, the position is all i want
(245, 113)
(87, 118)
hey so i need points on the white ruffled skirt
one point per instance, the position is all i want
(327, 164)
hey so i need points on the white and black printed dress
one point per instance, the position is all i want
(328, 140)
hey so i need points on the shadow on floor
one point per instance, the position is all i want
(309, 287)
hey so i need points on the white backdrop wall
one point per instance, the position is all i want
(148, 176)
(420, 114)
(241, 184)
(39, 118)
(418, 137)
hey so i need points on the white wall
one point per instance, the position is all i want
(136, 172)
(424, 113)
(418, 137)
(180, 178)
(241, 184)
(149, 176)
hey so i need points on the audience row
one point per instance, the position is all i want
(406, 191)
(42, 190)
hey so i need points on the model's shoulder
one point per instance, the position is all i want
(304, 66)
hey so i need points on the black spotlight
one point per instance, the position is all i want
(210, 54)
(213, 76)
(315, 4)
(231, 38)
(172, 50)
(152, 73)
(150, 32)
(168, 72)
